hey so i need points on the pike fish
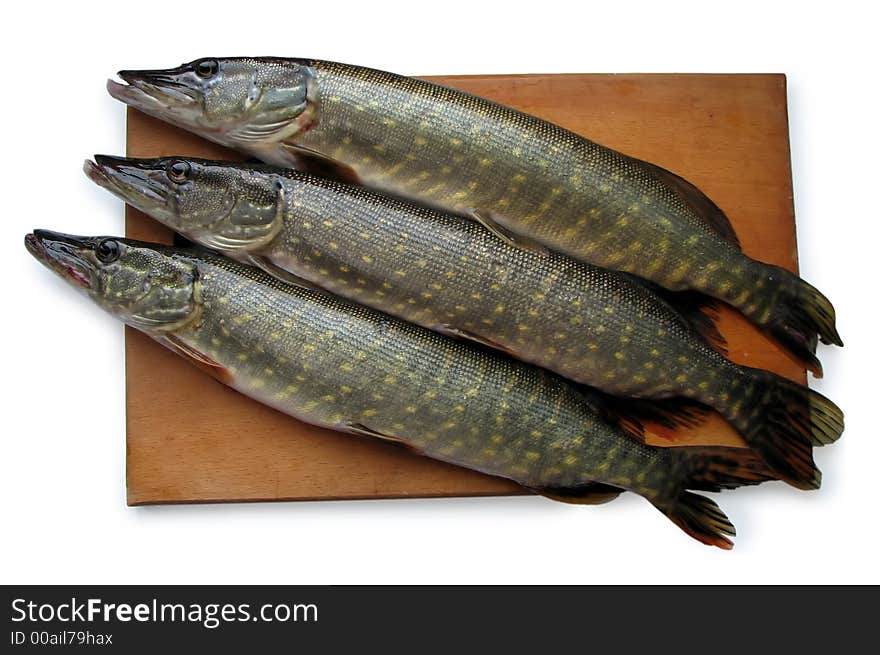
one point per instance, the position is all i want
(522, 176)
(339, 365)
(450, 274)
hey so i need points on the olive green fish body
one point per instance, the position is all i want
(451, 274)
(335, 364)
(347, 367)
(444, 271)
(464, 152)
(538, 179)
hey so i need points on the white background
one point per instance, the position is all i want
(62, 465)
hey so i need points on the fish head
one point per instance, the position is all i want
(241, 102)
(231, 208)
(145, 285)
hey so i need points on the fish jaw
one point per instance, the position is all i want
(65, 254)
(157, 95)
(141, 186)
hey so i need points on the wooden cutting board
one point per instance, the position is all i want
(190, 439)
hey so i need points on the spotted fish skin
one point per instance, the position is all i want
(346, 367)
(444, 271)
(540, 180)
(334, 364)
(464, 152)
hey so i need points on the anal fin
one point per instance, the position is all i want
(593, 493)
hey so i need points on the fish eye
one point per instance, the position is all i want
(178, 171)
(207, 68)
(107, 251)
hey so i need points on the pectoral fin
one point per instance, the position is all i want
(207, 364)
(510, 238)
(594, 493)
(312, 162)
(279, 273)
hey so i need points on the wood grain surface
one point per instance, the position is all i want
(192, 440)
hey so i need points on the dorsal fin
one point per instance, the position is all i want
(701, 312)
(697, 309)
(671, 413)
(711, 214)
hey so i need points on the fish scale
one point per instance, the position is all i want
(528, 176)
(549, 432)
(324, 360)
(452, 274)
(434, 269)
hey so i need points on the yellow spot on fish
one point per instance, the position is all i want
(536, 433)
(496, 438)
(369, 412)
(472, 392)
(570, 460)
(367, 258)
(681, 378)
(499, 309)
(242, 357)
(619, 355)
(531, 455)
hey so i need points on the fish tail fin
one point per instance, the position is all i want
(798, 316)
(699, 517)
(782, 420)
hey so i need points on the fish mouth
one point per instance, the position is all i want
(158, 93)
(65, 254)
(140, 183)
